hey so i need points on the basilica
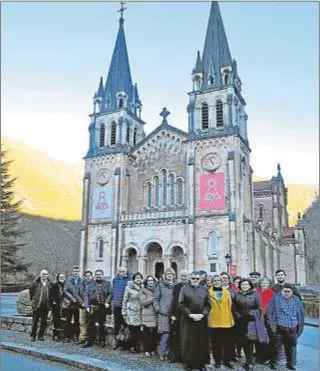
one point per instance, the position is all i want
(178, 198)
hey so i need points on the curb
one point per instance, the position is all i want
(77, 361)
(311, 324)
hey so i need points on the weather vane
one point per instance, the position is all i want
(122, 9)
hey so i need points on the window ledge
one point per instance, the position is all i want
(99, 260)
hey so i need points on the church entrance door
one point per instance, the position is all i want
(154, 259)
(158, 270)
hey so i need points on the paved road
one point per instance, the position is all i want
(11, 361)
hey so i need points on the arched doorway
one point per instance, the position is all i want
(177, 260)
(155, 264)
(132, 261)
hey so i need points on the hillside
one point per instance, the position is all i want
(53, 189)
(49, 187)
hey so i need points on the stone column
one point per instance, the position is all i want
(84, 227)
(191, 212)
(229, 113)
(82, 251)
(142, 264)
(231, 191)
(113, 251)
(166, 261)
(268, 260)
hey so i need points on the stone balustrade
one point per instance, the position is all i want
(153, 215)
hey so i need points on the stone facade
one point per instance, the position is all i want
(175, 198)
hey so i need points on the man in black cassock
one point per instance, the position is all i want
(195, 305)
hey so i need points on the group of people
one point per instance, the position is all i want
(190, 320)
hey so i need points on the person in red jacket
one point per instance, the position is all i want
(264, 351)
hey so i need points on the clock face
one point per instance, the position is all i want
(211, 161)
(103, 176)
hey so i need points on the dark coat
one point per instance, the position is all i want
(149, 318)
(194, 335)
(245, 302)
(72, 291)
(119, 285)
(35, 293)
(56, 294)
(174, 307)
(277, 288)
(91, 297)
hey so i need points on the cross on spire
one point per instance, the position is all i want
(121, 10)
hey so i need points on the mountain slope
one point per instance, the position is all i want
(49, 187)
(53, 189)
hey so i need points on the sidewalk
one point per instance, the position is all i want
(97, 359)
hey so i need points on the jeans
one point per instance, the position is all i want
(118, 319)
(287, 337)
(135, 337)
(98, 314)
(41, 313)
(83, 320)
(69, 330)
(164, 343)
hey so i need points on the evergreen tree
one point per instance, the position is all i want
(11, 231)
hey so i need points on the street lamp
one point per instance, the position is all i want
(228, 261)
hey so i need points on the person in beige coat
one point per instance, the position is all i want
(149, 317)
(131, 310)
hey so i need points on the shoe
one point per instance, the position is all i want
(147, 354)
(217, 365)
(32, 338)
(273, 366)
(291, 367)
(41, 338)
(102, 344)
(248, 367)
(228, 365)
(162, 358)
(153, 353)
(87, 344)
(80, 342)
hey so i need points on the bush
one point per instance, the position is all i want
(311, 308)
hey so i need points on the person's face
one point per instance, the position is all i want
(209, 281)
(150, 282)
(236, 282)
(287, 293)
(281, 277)
(169, 276)
(264, 285)
(254, 278)
(87, 277)
(245, 286)
(184, 277)
(195, 280)
(44, 275)
(75, 272)
(217, 282)
(225, 280)
(122, 273)
(203, 278)
(138, 280)
(61, 278)
(98, 276)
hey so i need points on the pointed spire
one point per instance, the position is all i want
(216, 53)
(119, 76)
(100, 92)
(198, 67)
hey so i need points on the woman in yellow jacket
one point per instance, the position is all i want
(220, 323)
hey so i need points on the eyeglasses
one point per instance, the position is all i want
(287, 291)
(195, 279)
(216, 280)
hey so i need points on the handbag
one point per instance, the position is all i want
(123, 334)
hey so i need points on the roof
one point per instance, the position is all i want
(119, 76)
(264, 185)
(216, 53)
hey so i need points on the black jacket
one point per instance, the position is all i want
(245, 302)
(35, 292)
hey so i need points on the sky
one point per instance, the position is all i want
(53, 55)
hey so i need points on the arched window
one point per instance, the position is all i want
(205, 116)
(128, 134)
(172, 190)
(156, 191)
(149, 195)
(135, 136)
(226, 78)
(211, 79)
(120, 102)
(102, 135)
(214, 243)
(180, 191)
(219, 113)
(164, 187)
(260, 212)
(100, 248)
(113, 133)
